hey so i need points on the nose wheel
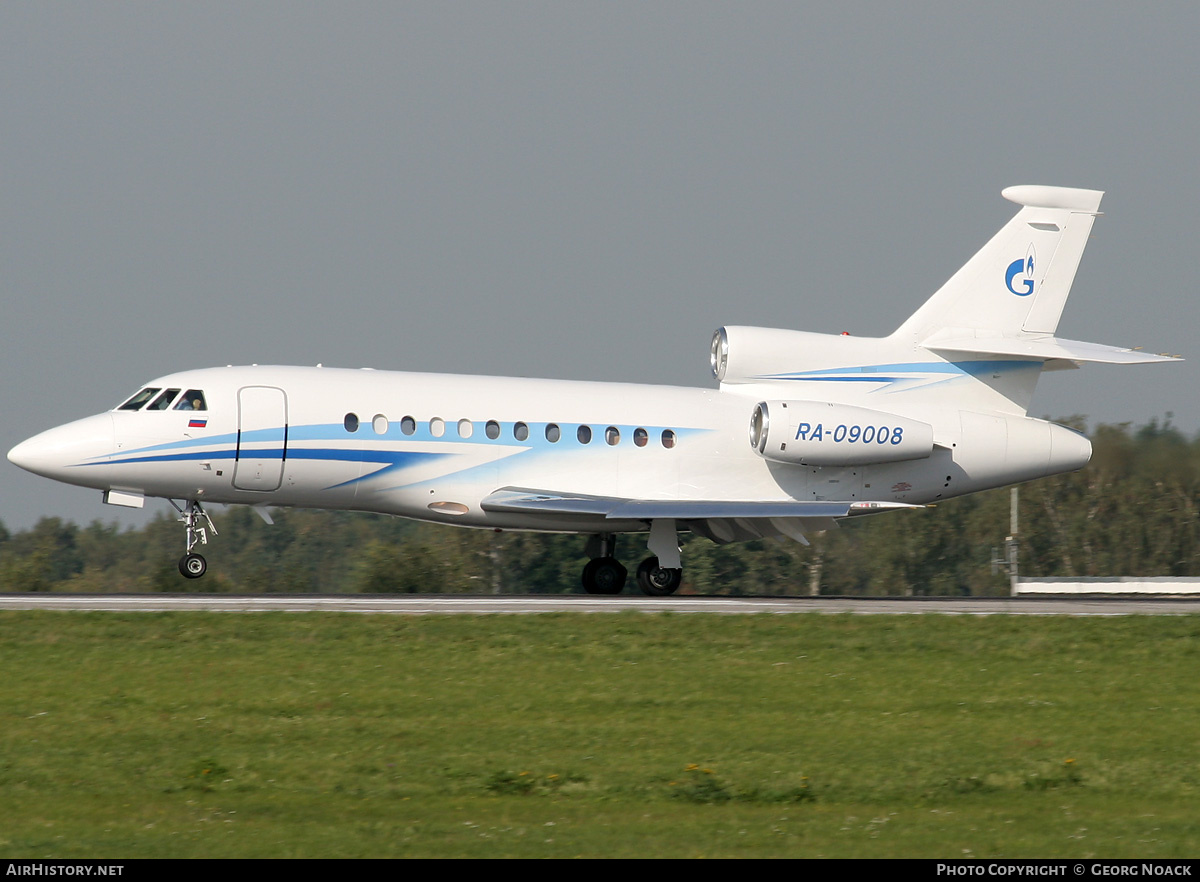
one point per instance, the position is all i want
(193, 565)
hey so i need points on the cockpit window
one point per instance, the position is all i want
(193, 399)
(136, 402)
(162, 402)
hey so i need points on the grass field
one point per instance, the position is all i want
(291, 735)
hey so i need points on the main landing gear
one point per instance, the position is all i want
(193, 565)
(604, 574)
(658, 581)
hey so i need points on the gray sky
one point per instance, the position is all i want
(562, 189)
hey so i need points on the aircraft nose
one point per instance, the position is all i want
(55, 453)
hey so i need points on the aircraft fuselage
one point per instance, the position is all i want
(420, 446)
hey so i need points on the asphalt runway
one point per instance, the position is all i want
(458, 604)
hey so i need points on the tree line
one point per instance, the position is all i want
(1131, 512)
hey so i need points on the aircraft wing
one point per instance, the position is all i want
(721, 520)
(513, 499)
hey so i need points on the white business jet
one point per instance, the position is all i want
(803, 429)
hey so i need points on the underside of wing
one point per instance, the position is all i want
(721, 520)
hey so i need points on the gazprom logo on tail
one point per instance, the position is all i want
(1022, 268)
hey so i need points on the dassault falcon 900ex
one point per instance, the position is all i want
(803, 429)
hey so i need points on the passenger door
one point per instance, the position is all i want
(262, 438)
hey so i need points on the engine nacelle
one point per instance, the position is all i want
(742, 354)
(819, 433)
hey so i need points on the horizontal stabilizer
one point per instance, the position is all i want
(613, 508)
(1046, 348)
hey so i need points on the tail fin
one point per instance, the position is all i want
(1017, 284)
(991, 326)
(1005, 303)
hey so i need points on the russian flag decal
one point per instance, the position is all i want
(197, 424)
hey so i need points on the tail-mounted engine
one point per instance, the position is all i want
(742, 354)
(819, 433)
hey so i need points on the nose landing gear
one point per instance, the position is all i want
(192, 565)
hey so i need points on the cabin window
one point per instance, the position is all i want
(640, 437)
(465, 428)
(380, 424)
(520, 431)
(668, 439)
(553, 433)
(408, 425)
(584, 434)
(437, 427)
(351, 422)
(492, 429)
(136, 402)
(612, 436)
(162, 402)
(193, 399)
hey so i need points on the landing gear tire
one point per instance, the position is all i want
(193, 566)
(604, 575)
(658, 581)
